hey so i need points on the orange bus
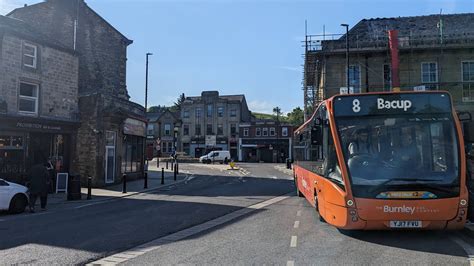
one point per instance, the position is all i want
(380, 161)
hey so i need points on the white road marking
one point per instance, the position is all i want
(157, 243)
(297, 224)
(298, 213)
(290, 263)
(468, 248)
(293, 242)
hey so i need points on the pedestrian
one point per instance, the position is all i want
(38, 185)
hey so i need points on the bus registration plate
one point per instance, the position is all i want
(405, 224)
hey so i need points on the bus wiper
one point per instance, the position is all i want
(377, 187)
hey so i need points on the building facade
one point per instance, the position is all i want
(435, 53)
(211, 122)
(39, 113)
(267, 141)
(163, 133)
(111, 137)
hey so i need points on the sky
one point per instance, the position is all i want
(234, 46)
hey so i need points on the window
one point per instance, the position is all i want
(233, 129)
(246, 132)
(197, 130)
(233, 113)
(429, 74)
(354, 78)
(265, 132)
(167, 130)
(186, 113)
(468, 81)
(28, 98)
(220, 111)
(209, 129)
(258, 132)
(150, 130)
(185, 130)
(209, 110)
(29, 55)
(284, 131)
(220, 129)
(387, 78)
(198, 112)
(272, 131)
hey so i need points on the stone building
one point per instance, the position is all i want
(435, 53)
(38, 100)
(211, 122)
(163, 133)
(265, 140)
(111, 138)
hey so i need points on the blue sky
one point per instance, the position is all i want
(236, 47)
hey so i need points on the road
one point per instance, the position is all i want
(219, 217)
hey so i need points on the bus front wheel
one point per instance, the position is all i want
(316, 208)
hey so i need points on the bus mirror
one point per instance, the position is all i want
(316, 136)
(464, 116)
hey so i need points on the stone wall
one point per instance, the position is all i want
(56, 74)
(102, 49)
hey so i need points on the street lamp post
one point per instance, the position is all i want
(145, 159)
(347, 55)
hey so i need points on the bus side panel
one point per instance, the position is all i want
(335, 211)
(310, 183)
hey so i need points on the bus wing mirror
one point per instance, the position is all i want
(316, 136)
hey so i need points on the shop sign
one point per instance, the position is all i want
(211, 140)
(37, 126)
(134, 127)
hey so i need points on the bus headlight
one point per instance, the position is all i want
(463, 202)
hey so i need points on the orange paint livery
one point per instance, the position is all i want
(370, 199)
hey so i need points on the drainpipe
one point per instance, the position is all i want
(393, 43)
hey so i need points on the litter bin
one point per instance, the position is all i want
(74, 187)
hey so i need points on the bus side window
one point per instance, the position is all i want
(317, 152)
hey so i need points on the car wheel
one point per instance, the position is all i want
(316, 208)
(18, 204)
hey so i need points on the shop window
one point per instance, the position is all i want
(272, 131)
(220, 129)
(429, 75)
(468, 81)
(246, 132)
(233, 113)
(133, 154)
(28, 98)
(30, 53)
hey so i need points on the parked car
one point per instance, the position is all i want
(13, 197)
(215, 156)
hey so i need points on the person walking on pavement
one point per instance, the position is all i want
(39, 185)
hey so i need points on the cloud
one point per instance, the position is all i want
(263, 107)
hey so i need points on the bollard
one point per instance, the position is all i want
(166, 165)
(89, 187)
(124, 180)
(158, 163)
(175, 170)
(146, 180)
(162, 175)
(172, 165)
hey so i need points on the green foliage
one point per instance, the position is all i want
(296, 117)
(177, 105)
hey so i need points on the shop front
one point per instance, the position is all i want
(265, 150)
(26, 141)
(133, 147)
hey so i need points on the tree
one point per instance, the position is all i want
(277, 112)
(296, 117)
(155, 109)
(177, 105)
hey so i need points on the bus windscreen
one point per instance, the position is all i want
(413, 147)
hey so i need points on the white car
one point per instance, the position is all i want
(215, 156)
(13, 197)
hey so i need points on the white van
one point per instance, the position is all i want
(215, 156)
